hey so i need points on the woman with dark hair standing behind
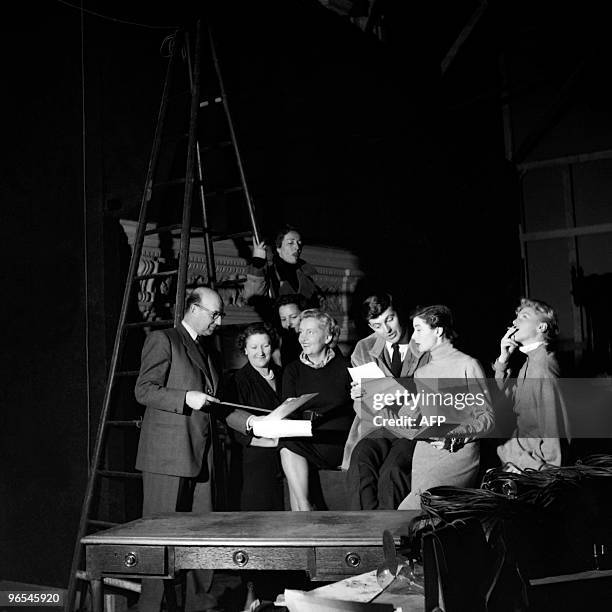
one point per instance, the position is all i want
(435, 461)
(257, 384)
(289, 307)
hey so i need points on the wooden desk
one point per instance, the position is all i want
(327, 545)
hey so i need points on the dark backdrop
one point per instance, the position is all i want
(350, 139)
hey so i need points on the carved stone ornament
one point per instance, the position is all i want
(337, 275)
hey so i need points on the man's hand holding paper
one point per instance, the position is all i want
(356, 390)
(367, 370)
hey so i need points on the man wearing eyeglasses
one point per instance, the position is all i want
(178, 383)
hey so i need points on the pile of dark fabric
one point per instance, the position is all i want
(536, 523)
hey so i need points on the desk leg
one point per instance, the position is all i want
(170, 595)
(97, 595)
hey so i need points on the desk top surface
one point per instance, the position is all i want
(362, 528)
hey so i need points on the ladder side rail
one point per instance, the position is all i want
(189, 181)
(119, 337)
(249, 201)
(211, 269)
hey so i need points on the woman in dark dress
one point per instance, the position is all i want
(318, 370)
(257, 383)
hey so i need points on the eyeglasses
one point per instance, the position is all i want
(215, 314)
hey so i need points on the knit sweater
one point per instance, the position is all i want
(446, 362)
(331, 382)
(541, 418)
(282, 278)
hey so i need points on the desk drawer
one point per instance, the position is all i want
(347, 560)
(244, 557)
(103, 558)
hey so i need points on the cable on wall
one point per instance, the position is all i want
(85, 236)
(116, 20)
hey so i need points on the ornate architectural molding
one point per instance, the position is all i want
(337, 274)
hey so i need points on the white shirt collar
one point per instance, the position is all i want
(190, 330)
(527, 348)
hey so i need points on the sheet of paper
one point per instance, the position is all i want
(367, 370)
(289, 428)
(361, 588)
(300, 601)
(290, 405)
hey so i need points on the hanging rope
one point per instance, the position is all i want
(116, 20)
(85, 240)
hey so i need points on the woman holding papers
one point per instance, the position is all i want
(452, 461)
(318, 370)
(258, 384)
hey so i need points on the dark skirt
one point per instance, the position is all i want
(324, 450)
(258, 477)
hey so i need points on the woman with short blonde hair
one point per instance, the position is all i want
(320, 369)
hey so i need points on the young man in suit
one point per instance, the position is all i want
(379, 464)
(178, 383)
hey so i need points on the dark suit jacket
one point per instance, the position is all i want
(373, 349)
(256, 471)
(173, 439)
(248, 387)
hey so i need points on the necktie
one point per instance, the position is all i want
(396, 361)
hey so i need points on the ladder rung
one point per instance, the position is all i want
(219, 145)
(216, 100)
(117, 583)
(162, 229)
(217, 192)
(118, 474)
(195, 231)
(149, 324)
(125, 373)
(132, 423)
(177, 181)
(229, 284)
(156, 275)
(234, 235)
(216, 235)
(98, 523)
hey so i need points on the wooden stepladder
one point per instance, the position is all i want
(180, 118)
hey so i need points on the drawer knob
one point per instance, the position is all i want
(130, 560)
(353, 559)
(241, 558)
